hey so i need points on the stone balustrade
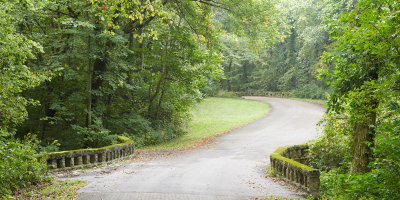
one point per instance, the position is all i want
(286, 161)
(279, 94)
(88, 157)
(268, 94)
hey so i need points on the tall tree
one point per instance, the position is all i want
(125, 67)
(365, 54)
(15, 77)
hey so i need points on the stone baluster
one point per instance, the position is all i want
(78, 161)
(313, 183)
(71, 159)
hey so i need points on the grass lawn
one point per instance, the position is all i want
(215, 116)
(60, 190)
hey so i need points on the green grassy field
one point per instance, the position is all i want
(215, 116)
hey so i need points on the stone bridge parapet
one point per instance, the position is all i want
(287, 163)
(88, 157)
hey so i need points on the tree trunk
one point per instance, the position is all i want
(364, 129)
(245, 77)
(229, 77)
(89, 84)
(100, 68)
(157, 116)
(141, 46)
(364, 133)
(160, 100)
(153, 97)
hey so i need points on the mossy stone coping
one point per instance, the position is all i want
(89, 157)
(267, 94)
(286, 161)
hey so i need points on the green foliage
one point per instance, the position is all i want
(53, 147)
(332, 152)
(131, 124)
(18, 167)
(378, 184)
(311, 90)
(269, 171)
(211, 88)
(243, 39)
(15, 76)
(122, 67)
(289, 64)
(94, 137)
(362, 67)
(278, 198)
(18, 163)
(123, 139)
(117, 67)
(364, 47)
(225, 94)
(332, 149)
(56, 189)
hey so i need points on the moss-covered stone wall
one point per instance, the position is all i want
(286, 161)
(88, 157)
(267, 94)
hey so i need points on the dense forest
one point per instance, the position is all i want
(291, 64)
(77, 74)
(98, 69)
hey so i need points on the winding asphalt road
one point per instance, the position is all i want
(231, 167)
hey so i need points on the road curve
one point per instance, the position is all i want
(230, 167)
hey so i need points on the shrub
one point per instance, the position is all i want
(383, 179)
(53, 147)
(96, 136)
(381, 183)
(130, 123)
(18, 165)
(161, 135)
(123, 139)
(310, 91)
(225, 94)
(211, 87)
(332, 148)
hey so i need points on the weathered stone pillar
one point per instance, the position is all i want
(108, 156)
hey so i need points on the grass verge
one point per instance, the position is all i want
(215, 116)
(56, 189)
(276, 198)
(269, 171)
